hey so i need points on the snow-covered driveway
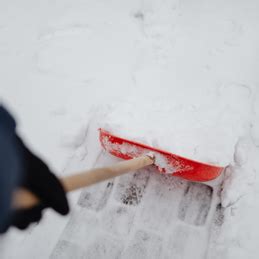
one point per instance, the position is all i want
(181, 75)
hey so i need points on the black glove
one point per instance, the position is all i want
(40, 181)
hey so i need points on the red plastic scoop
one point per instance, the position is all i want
(142, 155)
(166, 162)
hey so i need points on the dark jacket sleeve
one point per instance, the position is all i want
(10, 169)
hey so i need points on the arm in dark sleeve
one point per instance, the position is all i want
(10, 166)
(20, 168)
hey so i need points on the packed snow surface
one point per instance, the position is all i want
(179, 75)
(186, 126)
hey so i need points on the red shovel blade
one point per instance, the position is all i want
(166, 162)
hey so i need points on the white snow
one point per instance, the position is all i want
(179, 75)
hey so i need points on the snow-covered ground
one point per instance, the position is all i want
(180, 75)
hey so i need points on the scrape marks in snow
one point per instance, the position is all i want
(131, 187)
(143, 245)
(80, 230)
(159, 207)
(104, 247)
(187, 242)
(118, 220)
(139, 215)
(67, 250)
(195, 204)
(95, 197)
(219, 216)
(85, 236)
(81, 227)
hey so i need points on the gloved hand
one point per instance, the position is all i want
(40, 181)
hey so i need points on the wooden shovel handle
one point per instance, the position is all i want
(24, 199)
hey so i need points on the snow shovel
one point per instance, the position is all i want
(137, 156)
(165, 162)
